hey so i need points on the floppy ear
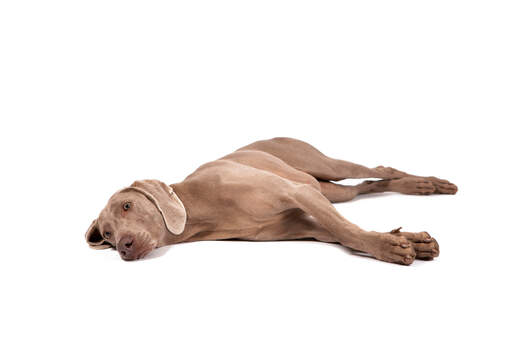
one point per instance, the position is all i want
(94, 237)
(166, 201)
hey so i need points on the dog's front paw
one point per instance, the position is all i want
(426, 247)
(394, 249)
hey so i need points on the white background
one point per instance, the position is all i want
(97, 94)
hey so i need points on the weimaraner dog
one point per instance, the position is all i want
(278, 189)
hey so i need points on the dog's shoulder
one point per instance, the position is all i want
(227, 186)
(223, 172)
(229, 177)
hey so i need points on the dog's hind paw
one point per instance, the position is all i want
(413, 185)
(442, 186)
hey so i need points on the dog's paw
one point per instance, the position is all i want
(394, 249)
(426, 247)
(442, 186)
(413, 185)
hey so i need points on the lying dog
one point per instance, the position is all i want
(278, 189)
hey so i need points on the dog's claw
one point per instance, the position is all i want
(396, 230)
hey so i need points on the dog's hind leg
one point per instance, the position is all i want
(409, 185)
(338, 193)
(304, 157)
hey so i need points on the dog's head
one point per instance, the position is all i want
(138, 219)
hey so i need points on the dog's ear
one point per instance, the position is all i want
(94, 237)
(166, 201)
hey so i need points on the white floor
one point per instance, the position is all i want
(94, 96)
(231, 290)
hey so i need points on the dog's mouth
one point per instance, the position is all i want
(135, 255)
(137, 248)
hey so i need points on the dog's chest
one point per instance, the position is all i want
(239, 227)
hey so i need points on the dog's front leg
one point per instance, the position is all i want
(388, 247)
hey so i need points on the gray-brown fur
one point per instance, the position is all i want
(278, 189)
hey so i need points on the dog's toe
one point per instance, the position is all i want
(395, 249)
(426, 247)
(443, 186)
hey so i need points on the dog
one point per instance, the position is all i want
(277, 189)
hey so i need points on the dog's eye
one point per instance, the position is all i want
(107, 234)
(127, 205)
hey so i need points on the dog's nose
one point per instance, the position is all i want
(125, 247)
